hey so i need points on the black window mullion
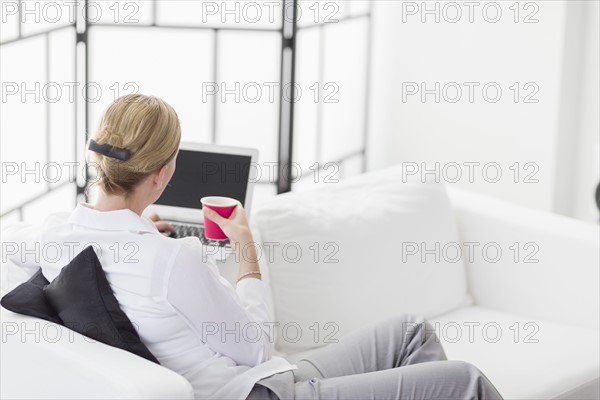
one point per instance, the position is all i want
(286, 108)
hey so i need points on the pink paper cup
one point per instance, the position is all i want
(223, 206)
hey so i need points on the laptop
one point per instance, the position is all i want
(205, 170)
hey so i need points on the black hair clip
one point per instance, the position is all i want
(109, 151)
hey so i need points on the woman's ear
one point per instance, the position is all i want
(160, 176)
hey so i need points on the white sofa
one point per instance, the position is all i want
(531, 327)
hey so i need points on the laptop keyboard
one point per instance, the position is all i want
(184, 230)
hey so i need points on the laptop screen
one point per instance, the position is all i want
(199, 174)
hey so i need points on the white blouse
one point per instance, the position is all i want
(186, 313)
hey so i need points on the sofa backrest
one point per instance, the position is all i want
(349, 253)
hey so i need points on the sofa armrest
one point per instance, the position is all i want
(40, 359)
(554, 274)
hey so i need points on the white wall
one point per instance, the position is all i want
(412, 48)
(585, 166)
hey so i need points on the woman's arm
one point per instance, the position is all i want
(229, 325)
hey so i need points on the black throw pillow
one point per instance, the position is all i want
(82, 299)
(28, 298)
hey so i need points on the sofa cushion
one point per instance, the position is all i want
(84, 301)
(28, 298)
(525, 358)
(81, 299)
(353, 252)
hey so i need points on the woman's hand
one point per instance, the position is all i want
(235, 227)
(237, 230)
(161, 225)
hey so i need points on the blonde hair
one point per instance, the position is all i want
(148, 128)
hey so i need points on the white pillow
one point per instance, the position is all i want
(361, 222)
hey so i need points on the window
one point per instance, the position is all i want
(228, 68)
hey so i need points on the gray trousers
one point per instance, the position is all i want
(397, 358)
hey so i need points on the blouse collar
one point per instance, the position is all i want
(117, 220)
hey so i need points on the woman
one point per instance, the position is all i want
(190, 317)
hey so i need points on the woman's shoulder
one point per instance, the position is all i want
(190, 253)
(55, 219)
(188, 247)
